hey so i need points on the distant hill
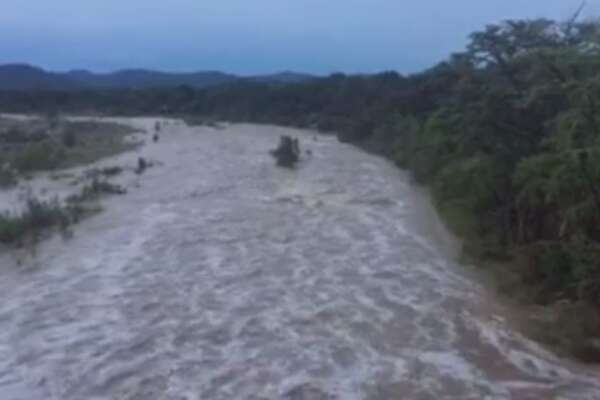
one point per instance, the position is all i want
(139, 79)
(21, 77)
(25, 77)
(283, 77)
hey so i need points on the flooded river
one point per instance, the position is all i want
(219, 276)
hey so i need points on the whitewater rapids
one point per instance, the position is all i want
(219, 276)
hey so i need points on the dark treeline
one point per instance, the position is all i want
(506, 134)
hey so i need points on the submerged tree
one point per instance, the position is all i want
(287, 153)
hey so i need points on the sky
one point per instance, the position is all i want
(250, 37)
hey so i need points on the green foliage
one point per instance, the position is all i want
(473, 182)
(437, 146)
(94, 190)
(13, 135)
(29, 148)
(404, 133)
(69, 138)
(534, 179)
(38, 157)
(11, 228)
(8, 177)
(37, 217)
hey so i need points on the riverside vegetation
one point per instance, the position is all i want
(50, 144)
(39, 217)
(44, 144)
(506, 134)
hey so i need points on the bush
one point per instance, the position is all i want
(13, 136)
(8, 177)
(402, 139)
(37, 216)
(69, 138)
(38, 157)
(11, 228)
(142, 165)
(111, 171)
(95, 189)
(357, 130)
(106, 171)
(40, 214)
(287, 153)
(99, 187)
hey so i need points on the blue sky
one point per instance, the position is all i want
(253, 36)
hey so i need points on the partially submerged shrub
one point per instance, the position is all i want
(104, 187)
(111, 171)
(16, 135)
(108, 172)
(53, 118)
(8, 177)
(11, 228)
(95, 189)
(38, 157)
(38, 216)
(69, 138)
(287, 153)
(13, 135)
(142, 165)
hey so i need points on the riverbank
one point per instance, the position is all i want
(569, 328)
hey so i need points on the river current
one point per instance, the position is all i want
(219, 276)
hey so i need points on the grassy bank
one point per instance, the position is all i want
(29, 146)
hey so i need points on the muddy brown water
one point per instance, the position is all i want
(219, 276)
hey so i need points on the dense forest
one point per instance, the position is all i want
(505, 133)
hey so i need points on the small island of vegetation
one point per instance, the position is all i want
(287, 153)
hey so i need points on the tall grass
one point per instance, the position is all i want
(37, 217)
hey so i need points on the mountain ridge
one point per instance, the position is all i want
(26, 77)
